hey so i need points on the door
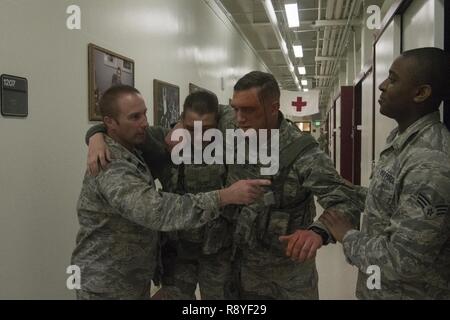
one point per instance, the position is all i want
(334, 133)
(356, 134)
(447, 49)
(346, 131)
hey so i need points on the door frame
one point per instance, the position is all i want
(447, 49)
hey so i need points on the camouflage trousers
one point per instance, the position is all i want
(263, 275)
(190, 266)
(141, 293)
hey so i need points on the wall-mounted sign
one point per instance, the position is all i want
(14, 96)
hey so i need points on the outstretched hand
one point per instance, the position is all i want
(243, 192)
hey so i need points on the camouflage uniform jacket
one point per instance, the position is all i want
(406, 229)
(119, 212)
(196, 178)
(189, 178)
(312, 174)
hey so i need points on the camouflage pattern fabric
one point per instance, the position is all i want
(211, 271)
(210, 264)
(137, 293)
(406, 228)
(265, 276)
(203, 255)
(262, 268)
(119, 212)
(323, 143)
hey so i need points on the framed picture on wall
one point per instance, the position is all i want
(166, 103)
(106, 69)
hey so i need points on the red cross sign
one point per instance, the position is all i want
(299, 104)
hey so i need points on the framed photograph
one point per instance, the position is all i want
(166, 103)
(106, 69)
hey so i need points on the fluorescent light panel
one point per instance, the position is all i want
(292, 15)
(298, 51)
(302, 70)
(304, 82)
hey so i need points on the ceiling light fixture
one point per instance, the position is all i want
(298, 51)
(292, 15)
(268, 7)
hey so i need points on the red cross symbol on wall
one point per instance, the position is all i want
(299, 104)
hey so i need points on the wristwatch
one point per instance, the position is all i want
(326, 238)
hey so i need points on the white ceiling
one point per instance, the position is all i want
(324, 30)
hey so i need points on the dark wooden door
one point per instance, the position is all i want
(334, 133)
(327, 131)
(356, 134)
(346, 152)
(447, 48)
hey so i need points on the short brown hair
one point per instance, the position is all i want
(108, 103)
(266, 82)
(201, 102)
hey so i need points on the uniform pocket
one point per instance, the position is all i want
(217, 236)
(277, 226)
(278, 223)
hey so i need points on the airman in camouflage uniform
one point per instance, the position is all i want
(197, 255)
(190, 256)
(323, 141)
(201, 255)
(115, 247)
(262, 267)
(406, 224)
(120, 210)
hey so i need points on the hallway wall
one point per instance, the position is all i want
(386, 50)
(418, 31)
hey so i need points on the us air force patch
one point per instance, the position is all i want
(429, 209)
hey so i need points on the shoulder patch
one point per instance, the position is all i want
(141, 167)
(429, 209)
